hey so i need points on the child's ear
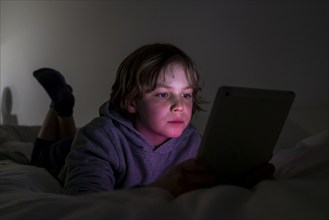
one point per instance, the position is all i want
(132, 107)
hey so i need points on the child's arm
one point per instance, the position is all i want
(187, 176)
(195, 174)
(88, 167)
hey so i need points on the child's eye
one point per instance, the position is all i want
(162, 94)
(187, 95)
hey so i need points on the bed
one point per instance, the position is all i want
(299, 192)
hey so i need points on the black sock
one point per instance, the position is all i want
(52, 105)
(59, 92)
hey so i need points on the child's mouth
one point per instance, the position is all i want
(176, 122)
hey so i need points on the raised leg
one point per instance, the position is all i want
(67, 127)
(59, 121)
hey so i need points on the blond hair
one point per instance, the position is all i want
(138, 73)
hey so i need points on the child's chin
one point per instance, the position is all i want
(176, 134)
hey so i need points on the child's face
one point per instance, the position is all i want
(166, 111)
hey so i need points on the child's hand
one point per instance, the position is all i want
(195, 174)
(187, 176)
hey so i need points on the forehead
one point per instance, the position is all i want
(173, 72)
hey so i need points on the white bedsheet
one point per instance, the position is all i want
(300, 192)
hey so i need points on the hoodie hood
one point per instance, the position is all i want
(108, 110)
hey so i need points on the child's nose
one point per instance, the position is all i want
(177, 104)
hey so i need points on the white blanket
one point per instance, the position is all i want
(299, 192)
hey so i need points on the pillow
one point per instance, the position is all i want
(17, 151)
(16, 142)
(23, 133)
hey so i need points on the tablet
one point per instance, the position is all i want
(242, 129)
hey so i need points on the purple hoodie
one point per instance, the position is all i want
(109, 153)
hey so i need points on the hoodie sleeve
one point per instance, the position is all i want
(92, 162)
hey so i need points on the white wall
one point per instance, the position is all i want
(279, 45)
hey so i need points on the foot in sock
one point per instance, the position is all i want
(59, 92)
(52, 105)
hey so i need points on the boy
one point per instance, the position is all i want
(142, 131)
